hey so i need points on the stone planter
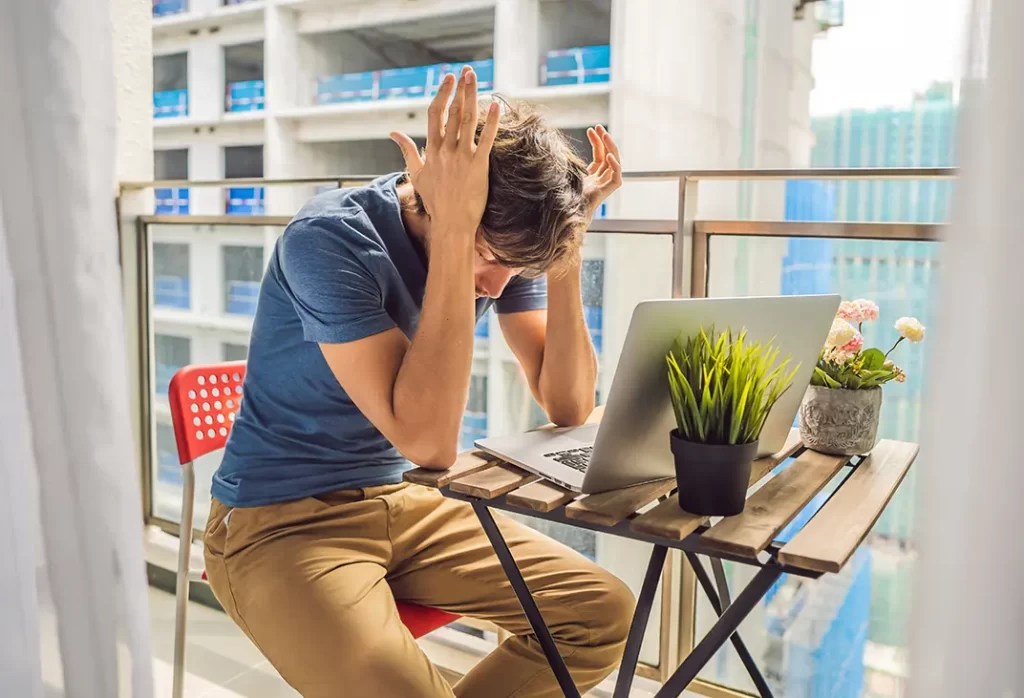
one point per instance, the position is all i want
(840, 422)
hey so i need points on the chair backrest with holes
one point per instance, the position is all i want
(204, 400)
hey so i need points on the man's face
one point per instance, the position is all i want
(490, 276)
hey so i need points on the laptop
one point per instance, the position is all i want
(631, 444)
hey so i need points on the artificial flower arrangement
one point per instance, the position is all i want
(841, 409)
(845, 363)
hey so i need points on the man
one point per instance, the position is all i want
(360, 362)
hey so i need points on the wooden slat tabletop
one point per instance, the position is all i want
(773, 506)
(540, 496)
(667, 520)
(826, 543)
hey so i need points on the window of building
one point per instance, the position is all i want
(170, 353)
(171, 275)
(171, 164)
(234, 352)
(243, 271)
(243, 77)
(593, 299)
(244, 161)
(474, 422)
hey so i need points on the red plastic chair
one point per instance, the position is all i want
(204, 401)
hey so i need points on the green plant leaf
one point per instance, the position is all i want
(872, 359)
(826, 380)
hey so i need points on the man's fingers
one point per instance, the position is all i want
(435, 113)
(410, 153)
(595, 144)
(490, 130)
(469, 111)
(455, 109)
(609, 142)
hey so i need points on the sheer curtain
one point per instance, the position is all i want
(968, 627)
(69, 491)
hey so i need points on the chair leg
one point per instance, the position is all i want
(181, 588)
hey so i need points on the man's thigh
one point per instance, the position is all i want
(444, 559)
(306, 582)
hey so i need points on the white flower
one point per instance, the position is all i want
(910, 328)
(841, 334)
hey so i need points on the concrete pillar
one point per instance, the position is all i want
(205, 80)
(206, 162)
(516, 58)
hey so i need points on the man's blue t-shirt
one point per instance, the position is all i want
(344, 269)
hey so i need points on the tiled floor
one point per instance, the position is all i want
(220, 661)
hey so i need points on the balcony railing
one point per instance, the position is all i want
(419, 81)
(246, 95)
(170, 103)
(690, 242)
(577, 66)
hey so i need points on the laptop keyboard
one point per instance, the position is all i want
(575, 458)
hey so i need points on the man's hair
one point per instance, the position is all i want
(536, 211)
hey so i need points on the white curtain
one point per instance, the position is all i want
(968, 627)
(69, 485)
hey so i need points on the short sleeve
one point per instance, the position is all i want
(522, 294)
(323, 265)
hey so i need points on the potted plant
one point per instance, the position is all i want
(839, 414)
(722, 389)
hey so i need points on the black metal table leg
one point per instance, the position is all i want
(741, 648)
(722, 583)
(515, 577)
(639, 624)
(726, 625)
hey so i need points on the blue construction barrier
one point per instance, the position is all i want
(172, 292)
(396, 83)
(162, 8)
(245, 95)
(169, 103)
(245, 201)
(482, 329)
(171, 201)
(577, 66)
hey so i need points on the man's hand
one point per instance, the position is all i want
(453, 179)
(604, 174)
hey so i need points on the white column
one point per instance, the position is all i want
(205, 80)
(516, 59)
(287, 87)
(206, 162)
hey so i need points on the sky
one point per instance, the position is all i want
(886, 51)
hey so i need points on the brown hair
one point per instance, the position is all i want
(536, 211)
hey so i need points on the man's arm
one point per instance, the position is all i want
(553, 346)
(415, 392)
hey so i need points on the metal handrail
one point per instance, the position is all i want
(832, 173)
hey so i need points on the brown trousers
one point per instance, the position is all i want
(313, 582)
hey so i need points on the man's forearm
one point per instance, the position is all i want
(432, 384)
(568, 373)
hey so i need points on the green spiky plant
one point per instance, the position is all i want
(723, 388)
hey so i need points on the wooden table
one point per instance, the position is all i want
(824, 544)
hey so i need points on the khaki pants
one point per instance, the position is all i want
(313, 582)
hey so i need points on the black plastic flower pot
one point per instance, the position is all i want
(712, 479)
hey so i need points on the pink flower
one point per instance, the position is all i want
(901, 377)
(850, 311)
(854, 345)
(868, 309)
